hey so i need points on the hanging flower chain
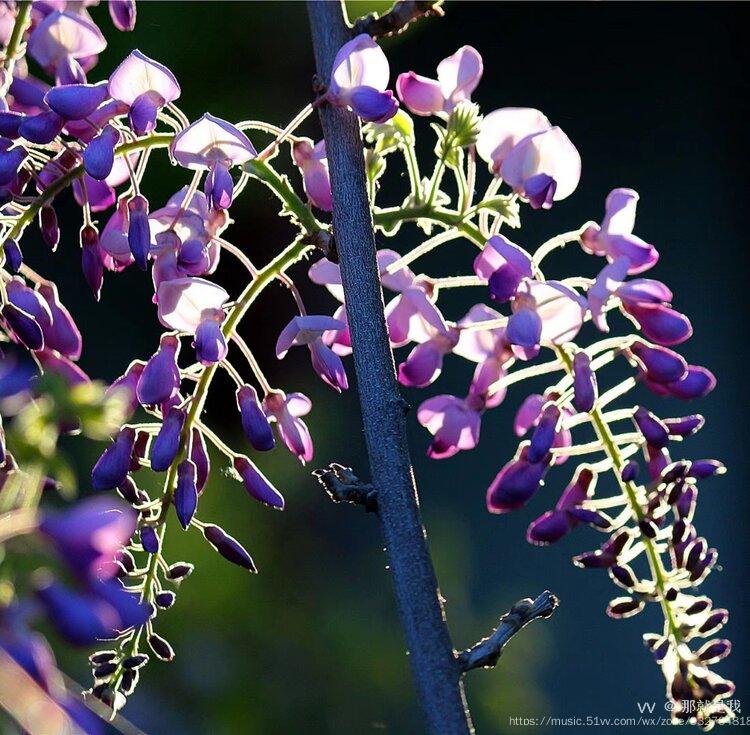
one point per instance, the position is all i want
(96, 139)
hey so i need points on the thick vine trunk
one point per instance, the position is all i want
(436, 670)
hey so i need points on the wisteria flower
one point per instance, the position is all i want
(309, 330)
(502, 129)
(504, 265)
(645, 301)
(554, 524)
(216, 145)
(543, 167)
(453, 422)
(359, 79)
(615, 239)
(145, 86)
(457, 77)
(286, 411)
(544, 313)
(63, 37)
(316, 178)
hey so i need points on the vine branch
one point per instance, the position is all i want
(487, 652)
(398, 17)
(435, 669)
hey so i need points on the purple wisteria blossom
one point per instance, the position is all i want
(215, 145)
(359, 79)
(312, 162)
(286, 411)
(309, 331)
(145, 86)
(457, 77)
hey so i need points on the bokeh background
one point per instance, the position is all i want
(655, 97)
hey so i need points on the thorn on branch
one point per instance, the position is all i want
(343, 486)
(398, 17)
(486, 653)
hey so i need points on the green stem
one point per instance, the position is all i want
(603, 432)
(412, 167)
(388, 218)
(281, 187)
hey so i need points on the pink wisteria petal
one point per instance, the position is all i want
(398, 281)
(502, 129)
(211, 140)
(413, 317)
(139, 74)
(304, 330)
(64, 34)
(326, 273)
(561, 310)
(498, 252)
(359, 62)
(339, 340)
(620, 206)
(182, 302)
(421, 95)
(459, 75)
(549, 154)
(486, 377)
(478, 344)
(453, 423)
(606, 283)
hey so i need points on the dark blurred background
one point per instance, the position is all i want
(655, 97)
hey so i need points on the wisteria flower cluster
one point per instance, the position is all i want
(67, 130)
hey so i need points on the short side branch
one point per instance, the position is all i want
(486, 653)
(343, 486)
(398, 17)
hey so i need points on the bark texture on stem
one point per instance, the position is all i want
(436, 670)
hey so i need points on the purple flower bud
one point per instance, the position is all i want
(515, 484)
(540, 191)
(76, 101)
(703, 468)
(662, 365)
(42, 128)
(210, 344)
(219, 186)
(584, 382)
(715, 621)
(186, 493)
(255, 424)
(165, 599)
(648, 528)
(126, 385)
(653, 429)
(624, 607)
(13, 255)
(606, 556)
(25, 328)
(544, 434)
(129, 490)
(149, 540)
(99, 157)
(139, 232)
(199, 457)
(684, 426)
(62, 335)
(49, 227)
(91, 260)
(165, 446)
(9, 124)
(10, 162)
(160, 379)
(179, 570)
(623, 575)
(123, 13)
(256, 484)
(685, 504)
(714, 651)
(193, 258)
(161, 647)
(658, 645)
(630, 471)
(698, 382)
(228, 547)
(112, 467)
(548, 528)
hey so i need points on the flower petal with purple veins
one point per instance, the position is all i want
(208, 140)
(64, 34)
(137, 75)
(502, 129)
